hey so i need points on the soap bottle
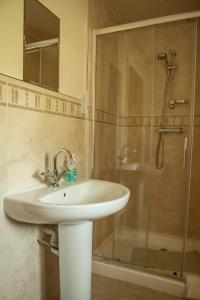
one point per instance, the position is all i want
(71, 174)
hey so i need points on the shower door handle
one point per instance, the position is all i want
(185, 152)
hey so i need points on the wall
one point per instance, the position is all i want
(73, 37)
(100, 14)
(11, 51)
(115, 12)
(34, 123)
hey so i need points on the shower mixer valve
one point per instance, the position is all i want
(173, 103)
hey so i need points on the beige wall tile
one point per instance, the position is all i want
(105, 138)
(100, 15)
(107, 72)
(136, 71)
(168, 198)
(3, 128)
(58, 135)
(25, 152)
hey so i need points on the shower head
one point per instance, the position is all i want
(162, 56)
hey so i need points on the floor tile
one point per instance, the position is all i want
(170, 297)
(105, 288)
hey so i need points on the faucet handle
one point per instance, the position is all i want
(51, 177)
(47, 172)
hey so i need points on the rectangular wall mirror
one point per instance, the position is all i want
(41, 46)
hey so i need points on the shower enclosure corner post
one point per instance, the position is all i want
(93, 70)
(191, 137)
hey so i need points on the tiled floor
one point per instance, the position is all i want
(104, 288)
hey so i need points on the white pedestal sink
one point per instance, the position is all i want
(73, 208)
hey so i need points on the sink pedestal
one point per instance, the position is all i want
(75, 260)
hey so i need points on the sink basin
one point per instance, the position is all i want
(86, 200)
(73, 208)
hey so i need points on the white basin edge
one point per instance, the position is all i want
(45, 213)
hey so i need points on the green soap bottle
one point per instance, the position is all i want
(71, 174)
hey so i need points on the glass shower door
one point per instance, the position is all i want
(123, 123)
(168, 205)
(130, 88)
(108, 78)
(134, 142)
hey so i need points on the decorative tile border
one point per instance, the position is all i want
(21, 95)
(141, 121)
(171, 121)
(105, 117)
(3, 92)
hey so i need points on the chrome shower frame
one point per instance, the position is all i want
(92, 65)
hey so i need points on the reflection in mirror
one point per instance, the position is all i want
(41, 45)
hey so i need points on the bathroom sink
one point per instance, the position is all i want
(85, 200)
(73, 207)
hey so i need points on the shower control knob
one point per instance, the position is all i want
(173, 103)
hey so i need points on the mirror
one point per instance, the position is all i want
(73, 42)
(41, 46)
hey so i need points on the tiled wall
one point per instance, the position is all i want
(34, 122)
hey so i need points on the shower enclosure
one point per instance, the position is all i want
(147, 137)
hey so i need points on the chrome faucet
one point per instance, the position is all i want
(67, 153)
(52, 176)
